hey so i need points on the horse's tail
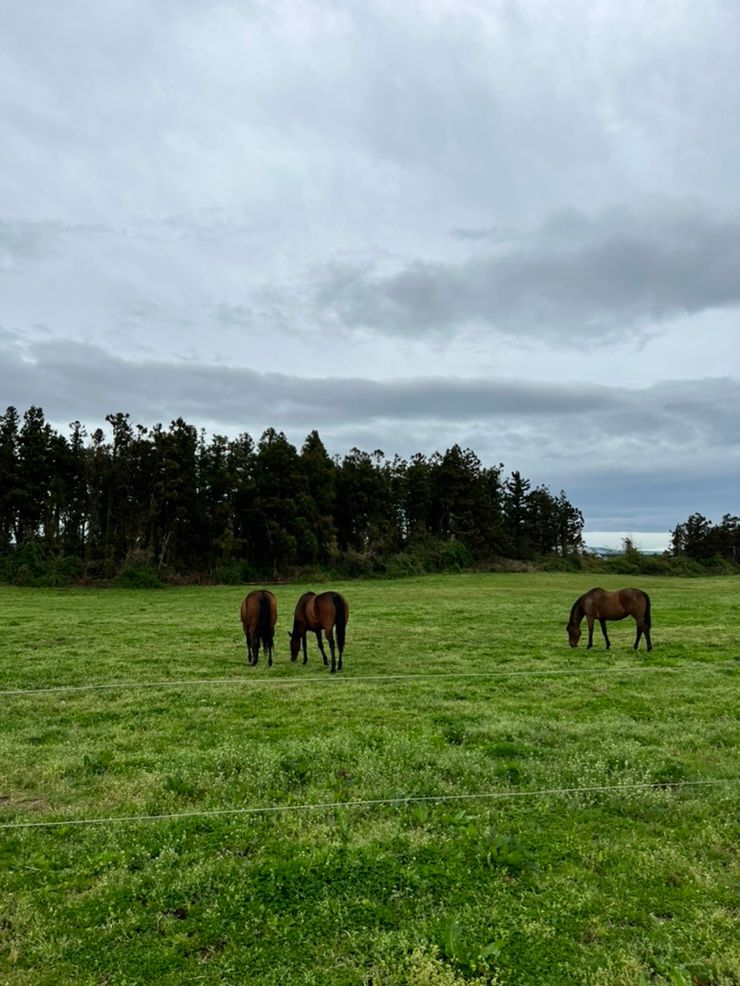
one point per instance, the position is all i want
(340, 620)
(648, 622)
(265, 621)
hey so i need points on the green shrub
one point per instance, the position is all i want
(234, 573)
(142, 577)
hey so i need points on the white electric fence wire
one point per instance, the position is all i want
(370, 803)
(293, 681)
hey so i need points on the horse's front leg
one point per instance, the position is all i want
(330, 638)
(590, 643)
(603, 630)
(321, 646)
(305, 648)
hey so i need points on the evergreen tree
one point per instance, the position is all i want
(320, 474)
(516, 493)
(182, 502)
(34, 475)
(10, 493)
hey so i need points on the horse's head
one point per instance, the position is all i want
(295, 645)
(574, 634)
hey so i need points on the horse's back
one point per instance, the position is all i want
(267, 600)
(251, 608)
(618, 604)
(635, 601)
(328, 604)
(600, 604)
(303, 607)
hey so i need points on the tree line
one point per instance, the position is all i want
(174, 501)
(702, 541)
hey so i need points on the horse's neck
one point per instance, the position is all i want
(577, 613)
(309, 612)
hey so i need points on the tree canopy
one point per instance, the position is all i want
(179, 501)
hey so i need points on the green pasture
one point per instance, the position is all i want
(609, 887)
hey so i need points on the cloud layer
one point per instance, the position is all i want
(607, 442)
(508, 224)
(577, 278)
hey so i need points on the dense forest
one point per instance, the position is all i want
(149, 504)
(171, 502)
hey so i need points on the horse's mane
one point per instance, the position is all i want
(578, 604)
(573, 609)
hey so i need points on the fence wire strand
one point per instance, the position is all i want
(372, 803)
(317, 679)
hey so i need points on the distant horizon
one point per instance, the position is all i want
(644, 540)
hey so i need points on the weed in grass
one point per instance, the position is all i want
(469, 956)
(504, 852)
(98, 763)
(177, 783)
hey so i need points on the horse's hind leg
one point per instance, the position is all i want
(642, 628)
(330, 638)
(603, 630)
(321, 647)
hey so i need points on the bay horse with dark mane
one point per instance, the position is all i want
(327, 612)
(259, 615)
(598, 604)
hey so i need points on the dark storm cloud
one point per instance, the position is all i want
(576, 277)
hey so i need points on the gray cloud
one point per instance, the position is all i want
(634, 458)
(89, 381)
(576, 278)
(399, 223)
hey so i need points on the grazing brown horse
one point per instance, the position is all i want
(327, 611)
(259, 615)
(598, 604)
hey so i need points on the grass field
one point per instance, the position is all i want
(628, 886)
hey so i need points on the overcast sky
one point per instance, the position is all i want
(512, 225)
